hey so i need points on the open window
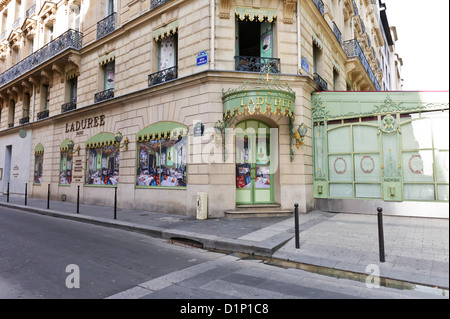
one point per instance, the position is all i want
(255, 40)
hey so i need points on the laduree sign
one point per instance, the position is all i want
(259, 101)
(85, 124)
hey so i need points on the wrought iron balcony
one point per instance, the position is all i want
(24, 120)
(320, 6)
(10, 125)
(106, 26)
(353, 49)
(322, 83)
(104, 95)
(68, 107)
(257, 64)
(355, 7)
(157, 3)
(163, 76)
(69, 40)
(42, 115)
(337, 33)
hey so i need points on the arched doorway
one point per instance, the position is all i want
(254, 158)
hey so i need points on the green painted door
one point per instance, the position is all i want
(254, 176)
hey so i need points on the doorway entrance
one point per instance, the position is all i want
(254, 164)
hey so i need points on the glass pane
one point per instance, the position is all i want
(418, 166)
(390, 155)
(442, 166)
(320, 165)
(263, 150)
(441, 130)
(367, 168)
(110, 165)
(243, 160)
(340, 168)
(416, 135)
(368, 190)
(419, 192)
(38, 168)
(341, 190)
(173, 162)
(262, 176)
(365, 138)
(339, 140)
(443, 192)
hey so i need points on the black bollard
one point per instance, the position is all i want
(26, 193)
(381, 233)
(48, 197)
(115, 202)
(7, 194)
(297, 231)
(78, 200)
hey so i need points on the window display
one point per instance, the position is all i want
(102, 165)
(65, 171)
(162, 162)
(38, 163)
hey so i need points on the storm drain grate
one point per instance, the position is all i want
(186, 241)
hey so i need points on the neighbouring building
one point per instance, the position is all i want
(166, 99)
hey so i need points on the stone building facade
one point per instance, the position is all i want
(165, 99)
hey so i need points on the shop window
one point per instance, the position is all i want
(102, 160)
(167, 52)
(162, 155)
(108, 76)
(65, 169)
(38, 163)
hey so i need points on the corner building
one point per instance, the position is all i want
(165, 99)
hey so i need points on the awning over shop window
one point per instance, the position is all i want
(107, 58)
(166, 31)
(259, 14)
(39, 149)
(64, 145)
(101, 140)
(162, 130)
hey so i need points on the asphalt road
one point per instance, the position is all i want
(36, 250)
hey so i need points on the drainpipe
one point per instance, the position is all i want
(299, 40)
(212, 36)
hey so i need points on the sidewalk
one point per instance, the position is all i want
(416, 249)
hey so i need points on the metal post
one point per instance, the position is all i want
(26, 193)
(381, 233)
(115, 203)
(7, 194)
(297, 232)
(48, 197)
(78, 200)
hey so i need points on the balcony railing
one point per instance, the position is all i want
(163, 76)
(104, 95)
(42, 115)
(320, 6)
(322, 83)
(157, 3)
(68, 107)
(355, 7)
(24, 120)
(257, 64)
(106, 26)
(70, 40)
(353, 49)
(337, 33)
(10, 125)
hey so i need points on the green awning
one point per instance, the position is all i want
(259, 14)
(166, 31)
(39, 149)
(162, 130)
(101, 140)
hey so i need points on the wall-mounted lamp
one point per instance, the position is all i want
(300, 134)
(70, 146)
(118, 138)
(219, 129)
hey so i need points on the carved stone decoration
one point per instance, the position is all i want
(47, 77)
(224, 9)
(289, 6)
(60, 70)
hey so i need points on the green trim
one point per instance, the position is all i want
(64, 145)
(39, 149)
(101, 140)
(162, 130)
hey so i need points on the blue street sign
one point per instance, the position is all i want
(202, 58)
